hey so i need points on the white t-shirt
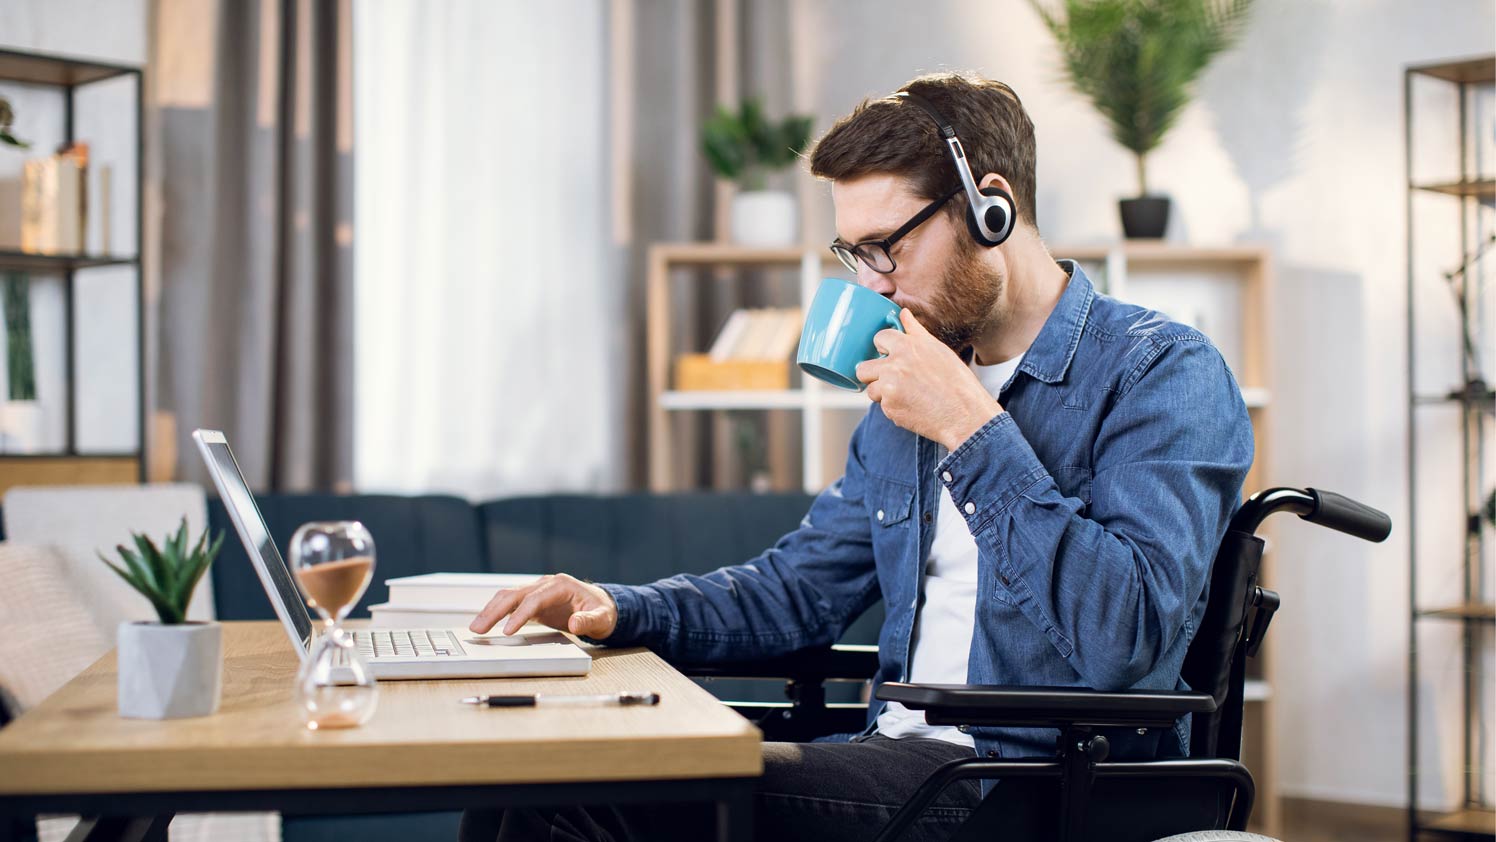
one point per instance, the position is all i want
(942, 629)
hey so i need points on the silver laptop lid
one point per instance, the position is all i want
(272, 569)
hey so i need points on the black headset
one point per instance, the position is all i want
(989, 210)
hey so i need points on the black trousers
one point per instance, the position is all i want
(823, 792)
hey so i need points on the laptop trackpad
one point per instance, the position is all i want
(531, 639)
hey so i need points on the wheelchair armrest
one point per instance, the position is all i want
(849, 663)
(1044, 707)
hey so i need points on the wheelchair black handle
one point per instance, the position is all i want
(1325, 508)
(1346, 515)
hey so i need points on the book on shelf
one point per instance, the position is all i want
(54, 202)
(452, 591)
(760, 333)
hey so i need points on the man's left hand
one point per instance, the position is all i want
(924, 387)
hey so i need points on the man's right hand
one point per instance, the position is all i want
(559, 601)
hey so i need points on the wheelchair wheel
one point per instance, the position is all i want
(1219, 836)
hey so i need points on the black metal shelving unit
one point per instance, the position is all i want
(68, 75)
(1475, 194)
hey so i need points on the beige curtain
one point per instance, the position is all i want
(251, 303)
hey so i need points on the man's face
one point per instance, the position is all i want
(940, 275)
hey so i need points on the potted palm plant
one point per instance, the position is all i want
(1137, 61)
(746, 147)
(172, 668)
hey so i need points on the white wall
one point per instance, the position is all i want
(112, 31)
(1296, 141)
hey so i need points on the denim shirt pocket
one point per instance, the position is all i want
(889, 502)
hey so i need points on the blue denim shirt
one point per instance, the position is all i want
(1097, 500)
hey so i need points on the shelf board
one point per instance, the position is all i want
(1469, 821)
(1468, 70)
(44, 69)
(760, 399)
(38, 469)
(727, 254)
(828, 398)
(25, 261)
(1483, 188)
(1484, 612)
(1159, 252)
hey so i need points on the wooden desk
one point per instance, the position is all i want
(421, 751)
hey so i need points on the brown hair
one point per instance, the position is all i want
(894, 136)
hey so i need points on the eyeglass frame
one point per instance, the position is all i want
(848, 253)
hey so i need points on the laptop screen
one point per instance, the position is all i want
(274, 574)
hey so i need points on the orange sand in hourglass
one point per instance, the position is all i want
(332, 586)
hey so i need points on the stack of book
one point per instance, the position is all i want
(54, 202)
(751, 351)
(441, 600)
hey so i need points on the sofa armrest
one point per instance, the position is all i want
(1044, 707)
(838, 663)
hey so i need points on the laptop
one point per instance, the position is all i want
(390, 653)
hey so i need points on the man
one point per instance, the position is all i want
(1036, 494)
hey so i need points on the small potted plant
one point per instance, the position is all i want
(6, 116)
(172, 668)
(1137, 60)
(746, 147)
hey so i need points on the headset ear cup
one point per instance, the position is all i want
(997, 214)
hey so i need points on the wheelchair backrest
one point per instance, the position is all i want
(1216, 661)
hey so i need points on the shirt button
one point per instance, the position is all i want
(880, 514)
(992, 752)
(1004, 580)
(929, 517)
(971, 508)
(946, 476)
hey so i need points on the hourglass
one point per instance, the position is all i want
(334, 562)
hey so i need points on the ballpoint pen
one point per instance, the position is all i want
(550, 699)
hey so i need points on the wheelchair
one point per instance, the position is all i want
(1079, 794)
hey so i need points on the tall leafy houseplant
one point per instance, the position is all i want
(745, 147)
(1137, 62)
(173, 668)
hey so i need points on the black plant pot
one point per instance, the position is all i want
(1146, 217)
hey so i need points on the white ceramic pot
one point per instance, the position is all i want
(170, 672)
(20, 427)
(765, 218)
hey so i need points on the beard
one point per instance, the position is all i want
(966, 300)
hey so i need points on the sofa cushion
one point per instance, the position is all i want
(411, 535)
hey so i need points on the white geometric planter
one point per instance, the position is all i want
(765, 218)
(170, 672)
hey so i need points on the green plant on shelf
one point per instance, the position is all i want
(7, 114)
(19, 365)
(745, 146)
(1136, 60)
(166, 575)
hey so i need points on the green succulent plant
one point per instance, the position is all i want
(20, 367)
(166, 575)
(745, 146)
(1136, 60)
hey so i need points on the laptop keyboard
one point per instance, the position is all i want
(417, 643)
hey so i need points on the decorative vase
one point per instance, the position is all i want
(21, 425)
(764, 218)
(170, 672)
(1146, 217)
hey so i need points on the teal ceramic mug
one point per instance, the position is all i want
(839, 330)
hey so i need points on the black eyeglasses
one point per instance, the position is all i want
(874, 253)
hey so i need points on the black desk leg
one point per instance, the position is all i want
(121, 829)
(735, 813)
